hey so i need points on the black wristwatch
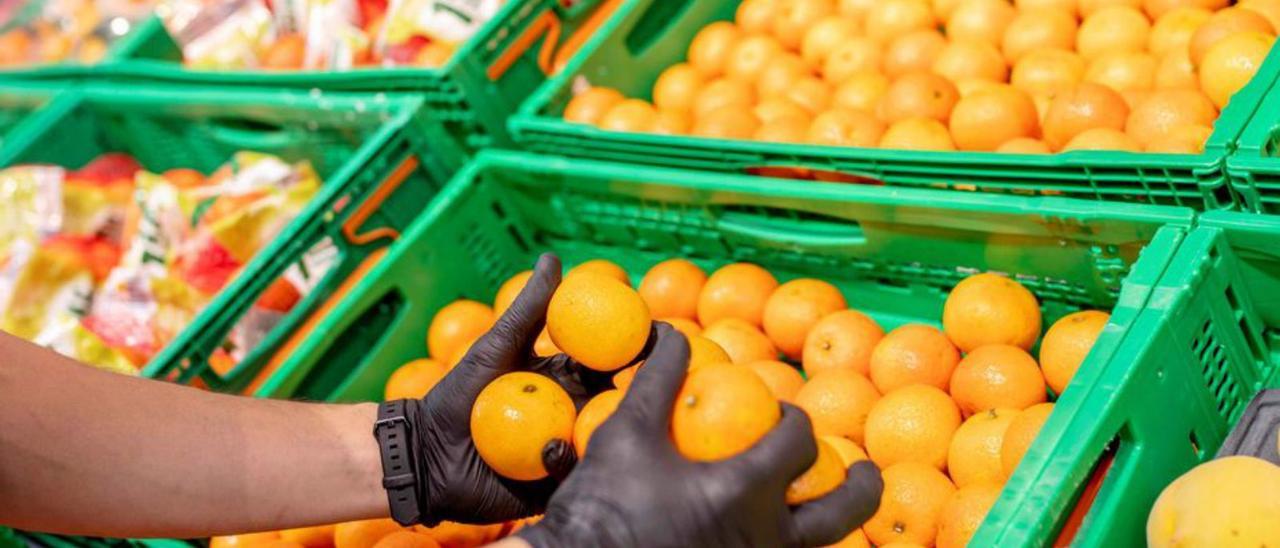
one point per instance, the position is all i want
(394, 432)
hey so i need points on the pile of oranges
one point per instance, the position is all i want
(374, 533)
(946, 413)
(1023, 76)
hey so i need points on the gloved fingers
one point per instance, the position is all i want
(581, 383)
(833, 516)
(559, 458)
(786, 451)
(652, 394)
(509, 343)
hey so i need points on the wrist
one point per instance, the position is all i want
(403, 471)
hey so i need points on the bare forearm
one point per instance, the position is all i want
(89, 452)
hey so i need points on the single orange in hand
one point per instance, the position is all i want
(737, 290)
(1067, 343)
(910, 505)
(1052, 28)
(677, 87)
(413, 380)
(722, 410)
(710, 49)
(980, 20)
(826, 473)
(846, 127)
(918, 94)
(913, 354)
(1081, 108)
(841, 340)
(838, 402)
(589, 106)
(997, 375)
(914, 423)
(670, 289)
(974, 456)
(991, 117)
(782, 379)
(593, 414)
(742, 341)
(362, 534)
(598, 321)
(515, 417)
(917, 133)
(455, 325)
(961, 60)
(912, 52)
(1113, 29)
(794, 308)
(603, 267)
(1021, 434)
(965, 512)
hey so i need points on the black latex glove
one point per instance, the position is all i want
(634, 489)
(454, 483)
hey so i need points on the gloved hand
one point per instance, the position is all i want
(454, 483)
(634, 489)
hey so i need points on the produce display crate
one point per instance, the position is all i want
(18, 103)
(1254, 169)
(646, 36)
(380, 162)
(1205, 343)
(894, 255)
(147, 39)
(471, 96)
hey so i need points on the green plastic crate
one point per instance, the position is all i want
(1254, 169)
(18, 103)
(646, 36)
(471, 96)
(894, 255)
(381, 164)
(1205, 343)
(55, 541)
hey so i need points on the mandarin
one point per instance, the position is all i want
(1225, 23)
(509, 291)
(670, 289)
(997, 375)
(965, 512)
(826, 473)
(1045, 71)
(723, 93)
(704, 351)
(861, 91)
(749, 57)
(777, 76)
(591, 105)
(413, 380)
(852, 56)
(711, 47)
(721, 410)
(961, 60)
(730, 122)
(407, 539)
(737, 290)
(913, 354)
(1123, 71)
(455, 325)
(918, 94)
(631, 115)
(980, 20)
(1231, 63)
(756, 16)
(827, 35)
(974, 455)
(603, 267)
(910, 505)
(1174, 29)
(1112, 29)
(887, 19)
(795, 17)
(782, 379)
(362, 534)
(598, 321)
(515, 417)
(1080, 108)
(1024, 145)
(912, 52)
(838, 402)
(742, 341)
(1103, 139)
(841, 340)
(593, 414)
(846, 127)
(245, 540)
(1175, 71)
(677, 87)
(793, 309)
(1067, 343)
(1038, 29)
(914, 423)
(1020, 434)
(988, 118)
(319, 536)
(1164, 110)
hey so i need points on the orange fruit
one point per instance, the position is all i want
(246, 539)
(918, 94)
(825, 36)
(913, 354)
(780, 108)
(730, 122)
(407, 539)
(1045, 71)
(721, 410)
(589, 106)
(991, 309)
(1225, 23)
(917, 134)
(677, 87)
(990, 117)
(742, 341)
(980, 20)
(837, 402)
(451, 534)
(509, 291)
(1188, 139)
(912, 52)
(710, 49)
(965, 512)
(598, 321)
(631, 115)
(856, 539)
(1112, 29)
(846, 127)
(785, 130)
(1231, 63)
(593, 414)
(779, 73)
(841, 340)
(782, 379)
(996, 375)
(684, 325)
(362, 534)
(944, 8)
(750, 55)
(544, 346)
(851, 56)
(704, 351)
(1266, 8)
(1024, 145)
(1174, 29)
(794, 308)
(854, 8)
(319, 536)
(1123, 71)
(849, 451)
(961, 60)
(1080, 108)
(455, 325)
(603, 267)
(514, 417)
(1175, 71)
(1089, 7)
(756, 16)
(286, 53)
(1033, 30)
(622, 379)
(1103, 139)
(826, 473)
(974, 456)
(1069, 6)
(723, 93)
(910, 505)
(413, 380)
(887, 19)
(737, 290)
(811, 93)
(1067, 343)
(912, 424)
(671, 122)
(795, 17)
(1163, 110)
(861, 91)
(1157, 9)
(670, 289)
(1021, 433)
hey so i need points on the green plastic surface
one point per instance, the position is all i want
(646, 36)
(1254, 169)
(355, 142)
(18, 103)
(1195, 356)
(895, 255)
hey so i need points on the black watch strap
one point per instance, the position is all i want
(399, 475)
